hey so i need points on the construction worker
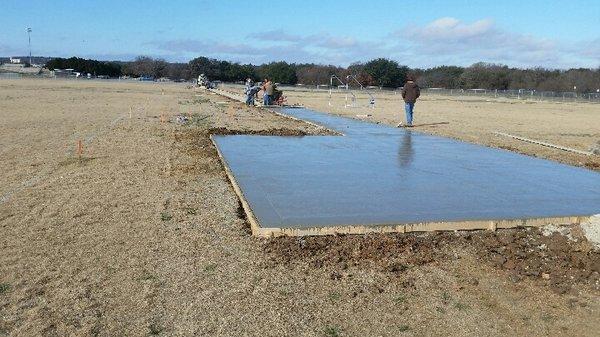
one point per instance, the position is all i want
(249, 83)
(248, 92)
(410, 93)
(267, 88)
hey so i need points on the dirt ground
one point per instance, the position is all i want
(140, 233)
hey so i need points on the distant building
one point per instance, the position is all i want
(15, 61)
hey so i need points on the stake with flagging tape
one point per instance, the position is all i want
(568, 149)
(79, 148)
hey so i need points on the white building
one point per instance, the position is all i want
(15, 61)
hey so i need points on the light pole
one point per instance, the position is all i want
(29, 37)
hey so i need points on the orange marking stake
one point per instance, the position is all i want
(79, 148)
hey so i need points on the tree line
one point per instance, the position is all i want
(501, 77)
(93, 67)
(379, 72)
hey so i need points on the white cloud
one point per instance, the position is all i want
(450, 29)
(207, 47)
(327, 47)
(276, 45)
(445, 41)
(450, 39)
(590, 49)
(325, 40)
(238, 52)
(277, 35)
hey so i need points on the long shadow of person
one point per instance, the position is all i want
(405, 151)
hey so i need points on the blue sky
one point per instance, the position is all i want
(554, 34)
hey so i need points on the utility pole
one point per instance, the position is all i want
(29, 37)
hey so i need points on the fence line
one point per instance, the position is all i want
(523, 94)
(593, 97)
(10, 76)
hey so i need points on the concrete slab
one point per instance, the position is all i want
(380, 178)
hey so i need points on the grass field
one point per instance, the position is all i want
(140, 233)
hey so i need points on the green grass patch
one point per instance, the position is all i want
(195, 100)
(198, 120)
(400, 299)
(148, 277)
(210, 267)
(547, 318)
(461, 306)
(155, 329)
(335, 296)
(446, 297)
(4, 288)
(284, 292)
(332, 331)
(199, 100)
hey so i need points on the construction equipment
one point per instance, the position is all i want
(350, 97)
(278, 97)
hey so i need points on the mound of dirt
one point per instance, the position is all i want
(553, 260)
(391, 252)
(268, 132)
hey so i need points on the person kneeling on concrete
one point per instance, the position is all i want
(410, 93)
(250, 93)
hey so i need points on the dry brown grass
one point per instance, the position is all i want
(147, 238)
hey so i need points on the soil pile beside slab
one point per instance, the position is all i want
(552, 260)
(268, 132)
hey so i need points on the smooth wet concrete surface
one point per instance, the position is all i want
(378, 175)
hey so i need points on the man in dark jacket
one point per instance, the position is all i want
(410, 93)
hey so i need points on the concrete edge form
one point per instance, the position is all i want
(422, 227)
(254, 226)
(554, 146)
